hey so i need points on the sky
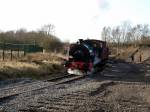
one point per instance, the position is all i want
(73, 19)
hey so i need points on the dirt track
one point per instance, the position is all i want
(121, 87)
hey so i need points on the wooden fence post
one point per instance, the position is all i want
(3, 54)
(24, 50)
(11, 54)
(18, 53)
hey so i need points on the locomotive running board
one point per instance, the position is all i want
(75, 72)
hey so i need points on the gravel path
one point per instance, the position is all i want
(121, 87)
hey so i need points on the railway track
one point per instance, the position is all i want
(6, 93)
(35, 82)
(9, 92)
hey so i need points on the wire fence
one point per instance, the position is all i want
(9, 50)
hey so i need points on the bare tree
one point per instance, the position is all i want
(145, 30)
(106, 34)
(136, 34)
(116, 37)
(145, 38)
(125, 29)
(125, 34)
(48, 29)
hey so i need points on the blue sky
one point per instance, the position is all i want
(73, 19)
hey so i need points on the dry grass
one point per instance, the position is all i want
(124, 52)
(36, 65)
(39, 57)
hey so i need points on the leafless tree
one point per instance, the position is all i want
(48, 29)
(126, 34)
(116, 37)
(125, 29)
(145, 38)
(106, 33)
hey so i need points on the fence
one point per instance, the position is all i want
(17, 49)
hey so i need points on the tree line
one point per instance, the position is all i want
(126, 34)
(43, 37)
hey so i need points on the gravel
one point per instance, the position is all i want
(108, 91)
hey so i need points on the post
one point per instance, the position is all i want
(117, 49)
(24, 53)
(140, 57)
(18, 53)
(68, 49)
(34, 43)
(11, 54)
(3, 54)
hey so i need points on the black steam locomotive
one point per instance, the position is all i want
(85, 56)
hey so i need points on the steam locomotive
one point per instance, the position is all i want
(85, 56)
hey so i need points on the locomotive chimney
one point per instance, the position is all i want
(80, 40)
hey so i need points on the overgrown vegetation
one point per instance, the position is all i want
(127, 35)
(42, 37)
(33, 65)
(36, 66)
